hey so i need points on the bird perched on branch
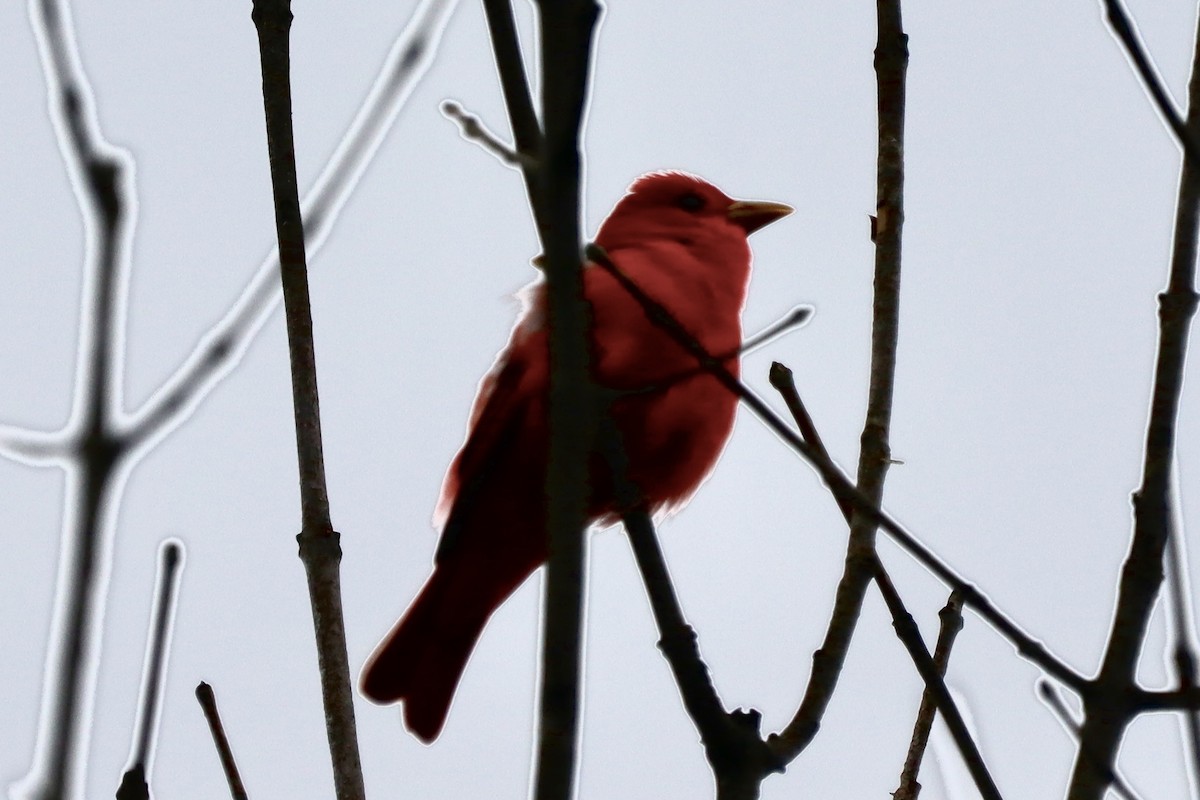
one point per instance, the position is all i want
(684, 242)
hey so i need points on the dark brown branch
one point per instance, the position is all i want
(566, 33)
(951, 624)
(319, 542)
(208, 704)
(1106, 714)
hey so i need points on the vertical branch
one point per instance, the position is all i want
(891, 62)
(566, 30)
(1106, 713)
(92, 448)
(319, 542)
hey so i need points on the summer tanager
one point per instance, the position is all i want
(684, 243)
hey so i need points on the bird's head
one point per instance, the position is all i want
(684, 208)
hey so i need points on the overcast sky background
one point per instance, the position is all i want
(1040, 194)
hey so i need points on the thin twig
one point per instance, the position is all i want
(1123, 28)
(936, 686)
(566, 41)
(951, 624)
(473, 130)
(170, 563)
(208, 704)
(789, 322)
(319, 542)
(1106, 714)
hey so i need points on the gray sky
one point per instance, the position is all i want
(1039, 199)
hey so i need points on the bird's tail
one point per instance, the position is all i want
(424, 655)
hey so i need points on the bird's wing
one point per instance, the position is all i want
(505, 412)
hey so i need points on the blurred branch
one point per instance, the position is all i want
(89, 448)
(951, 624)
(208, 704)
(99, 444)
(319, 542)
(790, 321)
(474, 131)
(170, 562)
(1106, 712)
(223, 346)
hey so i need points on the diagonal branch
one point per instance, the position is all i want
(1027, 646)
(937, 695)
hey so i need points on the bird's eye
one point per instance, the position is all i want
(690, 202)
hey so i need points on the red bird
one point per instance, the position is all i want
(684, 243)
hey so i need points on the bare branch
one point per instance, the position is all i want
(1106, 714)
(208, 704)
(951, 619)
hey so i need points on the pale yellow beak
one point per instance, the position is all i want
(754, 214)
